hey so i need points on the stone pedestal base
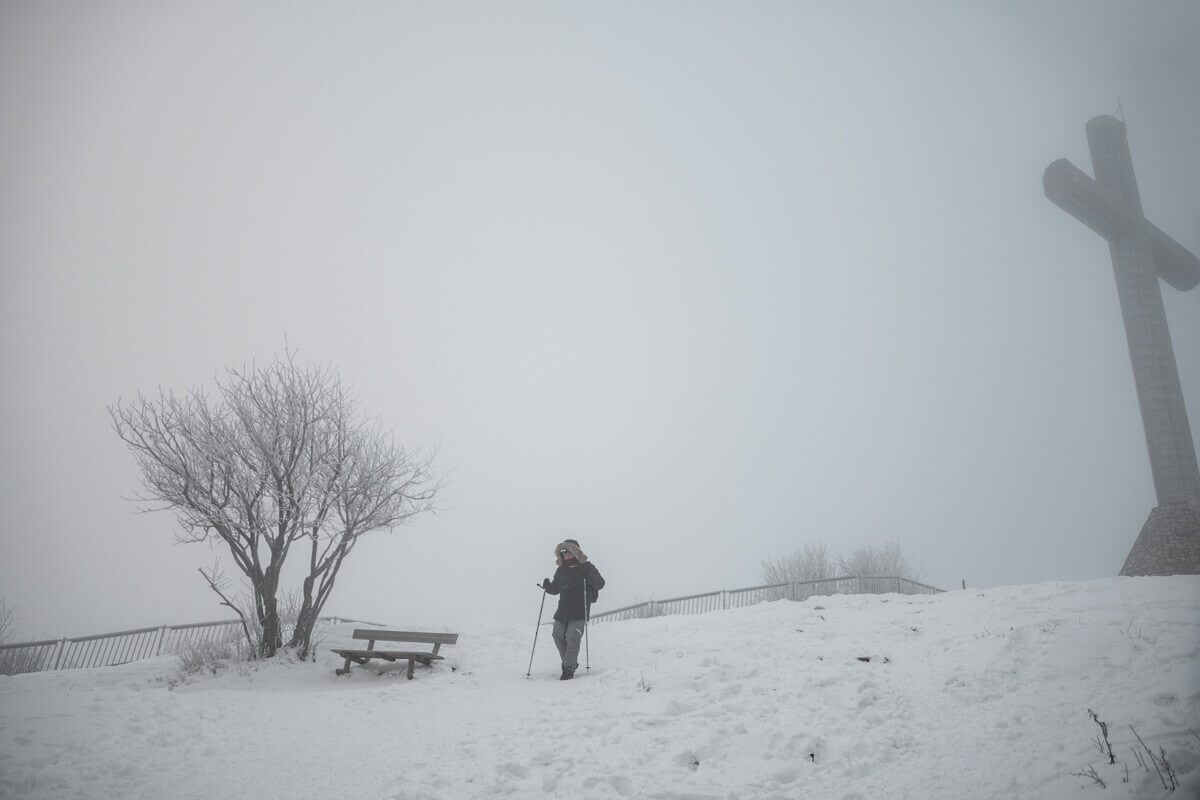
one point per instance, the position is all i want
(1169, 543)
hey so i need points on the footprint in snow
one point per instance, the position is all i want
(788, 775)
(676, 709)
(622, 784)
(514, 769)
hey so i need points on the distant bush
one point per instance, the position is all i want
(813, 563)
(17, 660)
(6, 622)
(887, 561)
(809, 563)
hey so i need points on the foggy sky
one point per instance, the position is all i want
(693, 283)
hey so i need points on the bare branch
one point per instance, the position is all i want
(216, 582)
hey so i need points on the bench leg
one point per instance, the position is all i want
(344, 670)
(411, 661)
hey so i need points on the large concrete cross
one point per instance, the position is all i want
(1141, 254)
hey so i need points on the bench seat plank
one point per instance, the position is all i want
(388, 655)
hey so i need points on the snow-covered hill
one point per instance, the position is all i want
(976, 694)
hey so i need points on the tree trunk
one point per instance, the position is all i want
(272, 636)
(326, 571)
(305, 620)
(269, 643)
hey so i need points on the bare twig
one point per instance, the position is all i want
(1091, 774)
(1171, 776)
(1103, 730)
(1169, 780)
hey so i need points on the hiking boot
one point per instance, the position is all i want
(567, 674)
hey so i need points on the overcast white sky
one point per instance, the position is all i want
(693, 283)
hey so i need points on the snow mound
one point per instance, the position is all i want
(982, 694)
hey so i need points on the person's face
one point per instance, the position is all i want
(567, 558)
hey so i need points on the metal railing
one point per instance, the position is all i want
(791, 590)
(122, 647)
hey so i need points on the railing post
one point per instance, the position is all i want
(862, 585)
(162, 637)
(62, 645)
(792, 591)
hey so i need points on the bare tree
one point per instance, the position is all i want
(271, 461)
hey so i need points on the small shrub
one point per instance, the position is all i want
(214, 654)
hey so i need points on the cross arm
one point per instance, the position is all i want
(1072, 190)
(1175, 264)
(1069, 188)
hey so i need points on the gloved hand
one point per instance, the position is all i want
(546, 584)
(593, 595)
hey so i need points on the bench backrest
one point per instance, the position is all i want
(424, 637)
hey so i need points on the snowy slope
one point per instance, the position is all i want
(968, 694)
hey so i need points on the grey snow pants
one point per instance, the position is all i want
(567, 636)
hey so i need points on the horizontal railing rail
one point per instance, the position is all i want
(121, 647)
(752, 595)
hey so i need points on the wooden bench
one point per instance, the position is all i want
(373, 635)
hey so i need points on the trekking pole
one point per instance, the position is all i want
(587, 617)
(536, 630)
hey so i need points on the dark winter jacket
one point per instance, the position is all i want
(568, 584)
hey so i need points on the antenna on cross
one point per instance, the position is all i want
(1120, 110)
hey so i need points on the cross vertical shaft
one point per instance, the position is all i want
(1156, 376)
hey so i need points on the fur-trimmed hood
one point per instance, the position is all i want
(571, 546)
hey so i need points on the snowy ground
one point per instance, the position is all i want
(968, 694)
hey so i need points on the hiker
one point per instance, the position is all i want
(573, 573)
